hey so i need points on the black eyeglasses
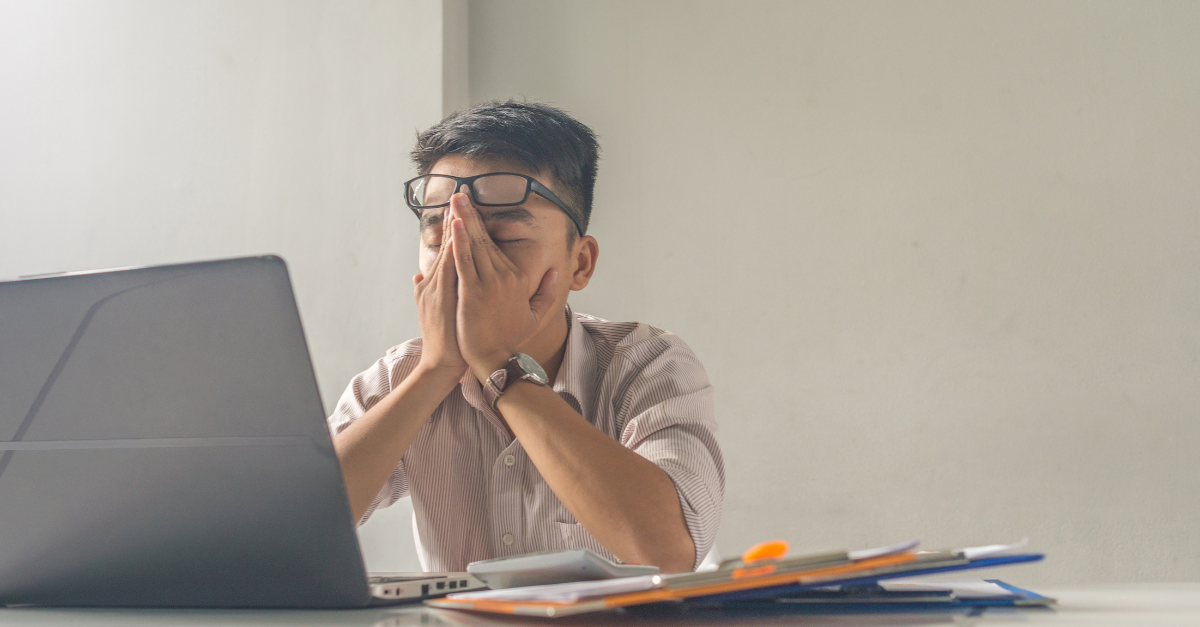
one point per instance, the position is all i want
(494, 189)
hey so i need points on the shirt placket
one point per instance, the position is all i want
(508, 514)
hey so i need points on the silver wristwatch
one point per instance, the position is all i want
(519, 367)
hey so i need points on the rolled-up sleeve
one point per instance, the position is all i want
(668, 417)
(365, 390)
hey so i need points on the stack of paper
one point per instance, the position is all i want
(774, 579)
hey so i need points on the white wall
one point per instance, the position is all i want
(951, 291)
(939, 258)
(147, 132)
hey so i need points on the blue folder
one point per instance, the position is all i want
(793, 588)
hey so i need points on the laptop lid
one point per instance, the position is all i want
(163, 443)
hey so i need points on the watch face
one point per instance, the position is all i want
(532, 367)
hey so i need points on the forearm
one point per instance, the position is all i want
(626, 502)
(371, 447)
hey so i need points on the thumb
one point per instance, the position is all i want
(417, 278)
(544, 298)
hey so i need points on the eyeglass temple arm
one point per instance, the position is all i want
(549, 195)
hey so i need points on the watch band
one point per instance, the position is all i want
(518, 367)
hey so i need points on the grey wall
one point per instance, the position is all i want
(939, 258)
(147, 132)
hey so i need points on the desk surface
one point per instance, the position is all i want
(1162, 605)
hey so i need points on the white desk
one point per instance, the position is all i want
(1159, 605)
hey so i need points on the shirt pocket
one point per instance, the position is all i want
(574, 536)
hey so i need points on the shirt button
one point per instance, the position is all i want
(509, 460)
(508, 539)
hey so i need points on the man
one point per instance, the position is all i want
(515, 424)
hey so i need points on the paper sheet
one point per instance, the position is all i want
(976, 552)
(963, 588)
(863, 554)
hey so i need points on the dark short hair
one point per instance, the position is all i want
(541, 137)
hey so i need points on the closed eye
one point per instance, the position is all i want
(500, 242)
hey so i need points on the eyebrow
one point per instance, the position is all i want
(510, 214)
(507, 214)
(430, 218)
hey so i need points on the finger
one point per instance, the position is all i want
(417, 278)
(543, 299)
(464, 254)
(479, 241)
(437, 260)
(500, 261)
(448, 278)
(424, 280)
(429, 280)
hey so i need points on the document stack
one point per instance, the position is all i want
(862, 580)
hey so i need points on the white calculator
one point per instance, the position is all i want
(535, 569)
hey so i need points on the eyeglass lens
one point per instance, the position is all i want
(492, 189)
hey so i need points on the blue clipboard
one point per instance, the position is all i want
(857, 600)
(775, 591)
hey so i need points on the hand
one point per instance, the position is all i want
(499, 305)
(437, 302)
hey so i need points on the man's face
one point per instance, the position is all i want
(533, 235)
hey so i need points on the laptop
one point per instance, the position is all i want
(163, 444)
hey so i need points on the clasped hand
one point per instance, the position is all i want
(476, 307)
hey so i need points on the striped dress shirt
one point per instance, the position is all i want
(476, 494)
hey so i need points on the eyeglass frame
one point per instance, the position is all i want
(531, 185)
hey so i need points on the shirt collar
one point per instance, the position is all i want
(473, 392)
(577, 373)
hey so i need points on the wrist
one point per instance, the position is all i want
(437, 375)
(485, 366)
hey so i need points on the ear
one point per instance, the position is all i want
(584, 253)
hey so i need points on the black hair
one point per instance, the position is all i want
(541, 137)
